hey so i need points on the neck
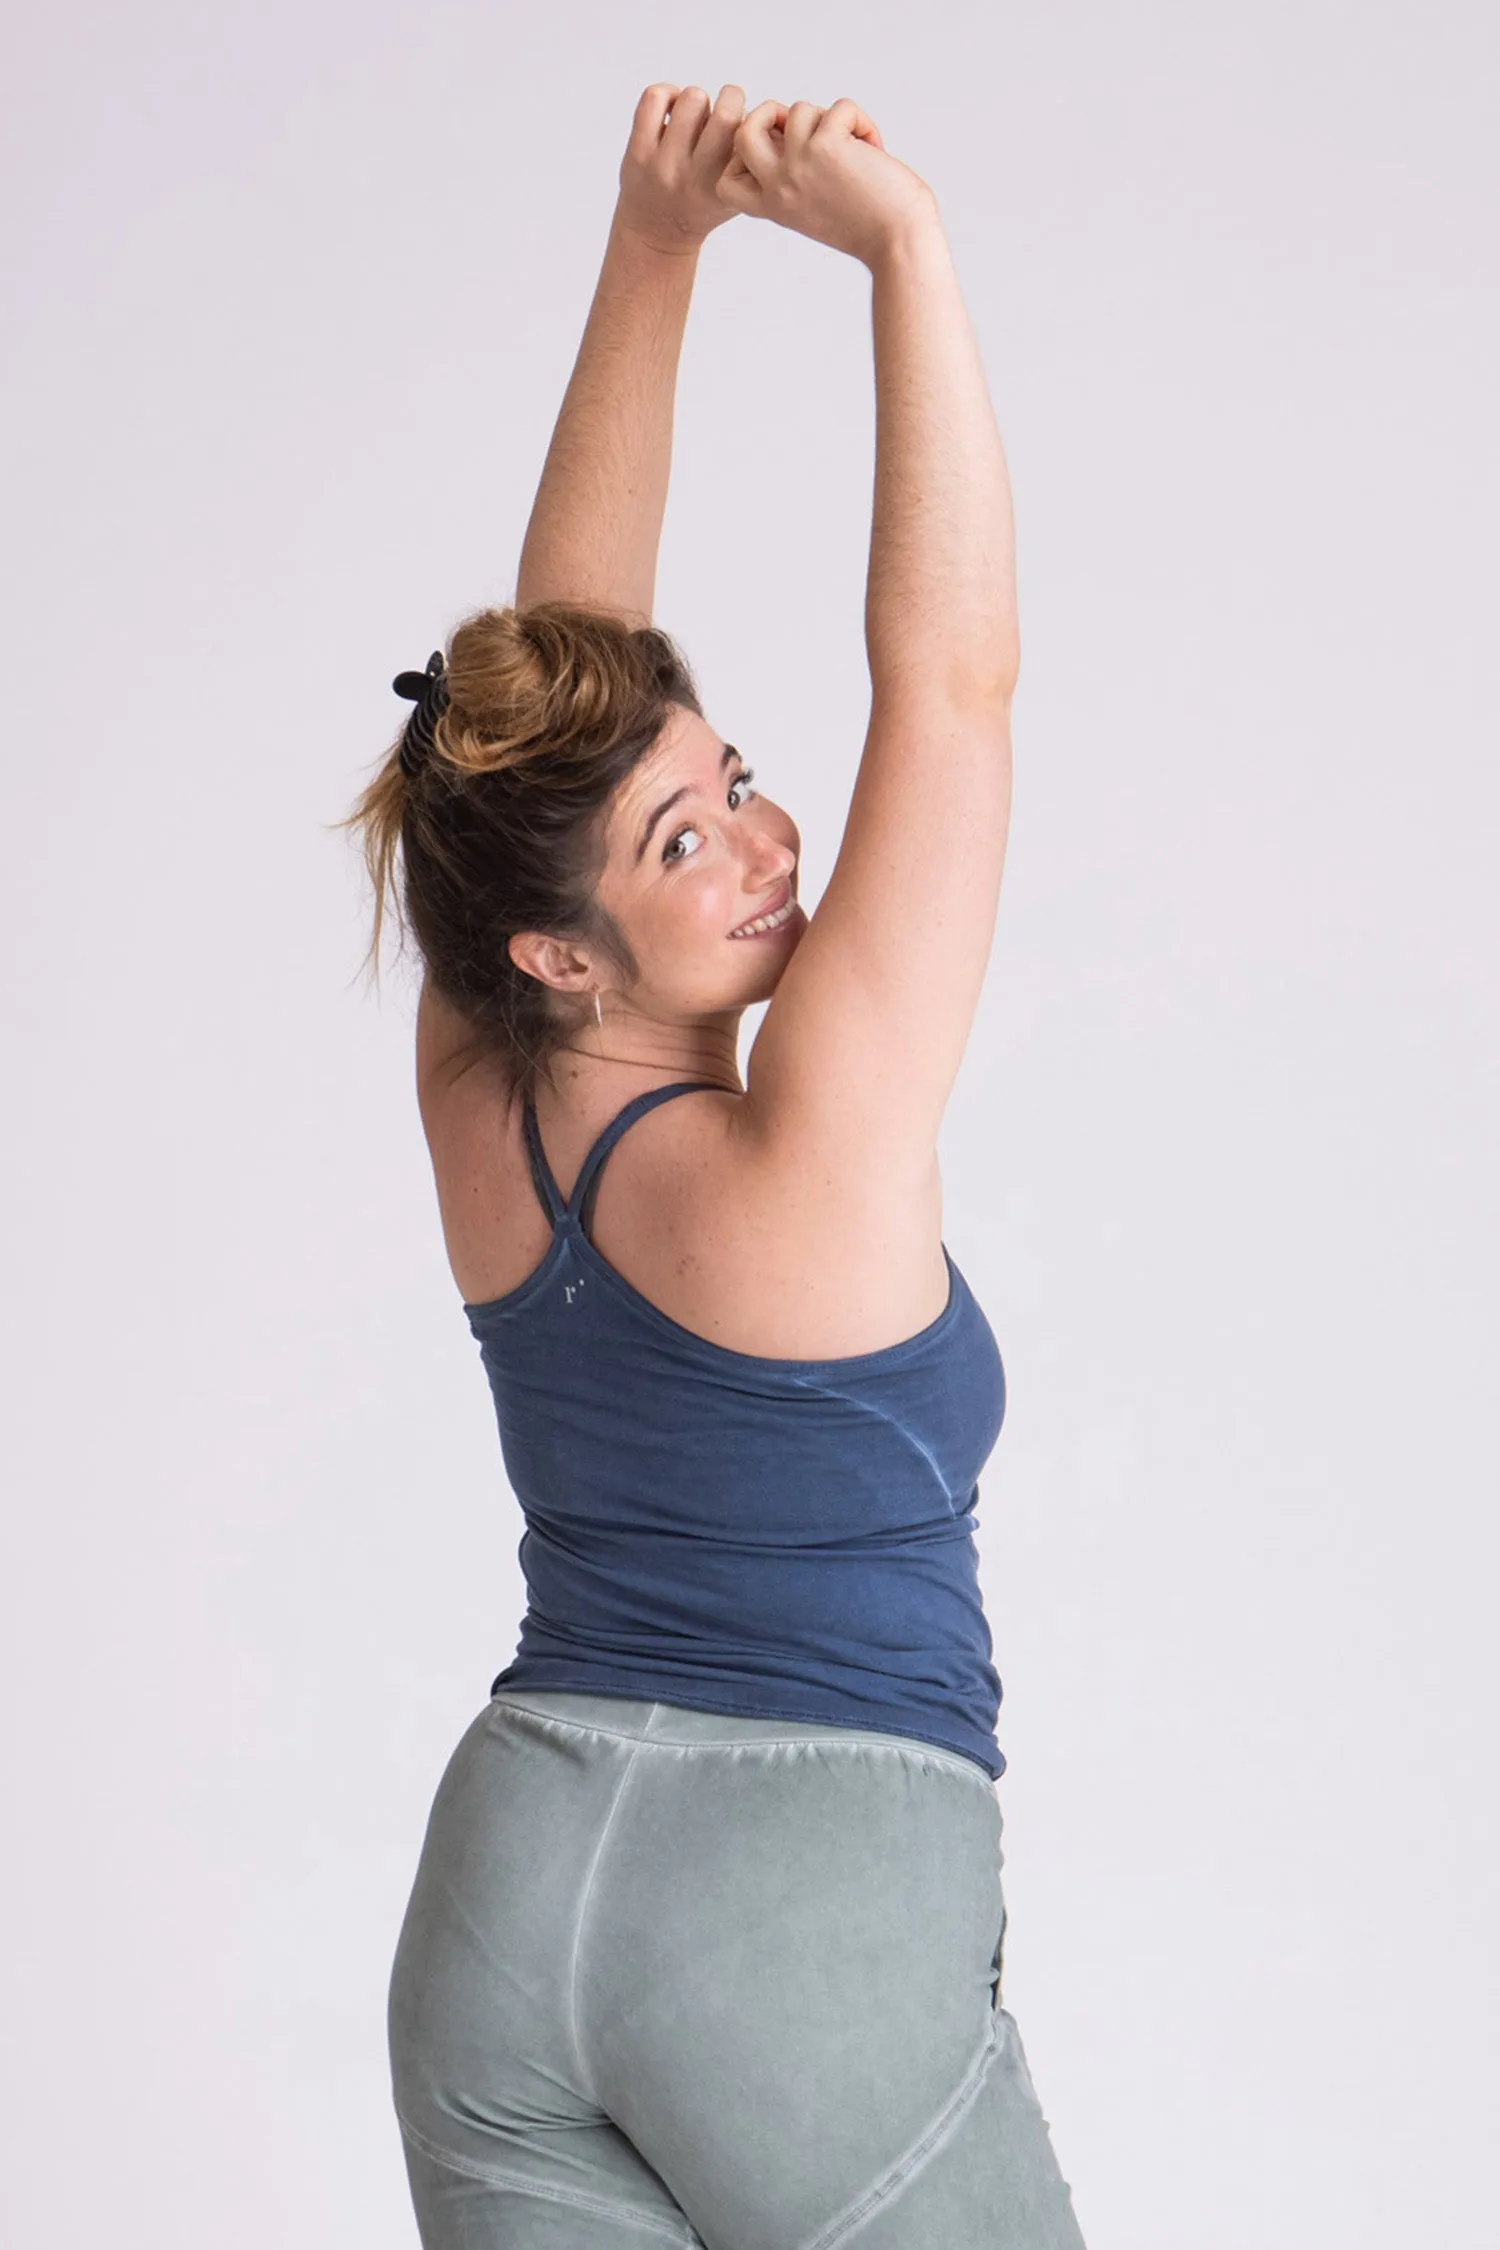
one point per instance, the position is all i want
(630, 1053)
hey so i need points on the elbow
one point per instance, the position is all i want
(991, 684)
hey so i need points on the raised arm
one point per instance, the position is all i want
(940, 600)
(853, 1064)
(595, 527)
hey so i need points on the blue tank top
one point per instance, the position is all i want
(777, 1538)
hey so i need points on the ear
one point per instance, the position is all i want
(550, 960)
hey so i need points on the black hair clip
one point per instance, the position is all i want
(429, 691)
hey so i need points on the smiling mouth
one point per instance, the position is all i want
(775, 918)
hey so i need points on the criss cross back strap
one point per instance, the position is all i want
(578, 1208)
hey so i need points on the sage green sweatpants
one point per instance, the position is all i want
(671, 1976)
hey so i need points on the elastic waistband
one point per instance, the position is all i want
(673, 1727)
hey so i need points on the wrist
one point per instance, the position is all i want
(916, 231)
(652, 249)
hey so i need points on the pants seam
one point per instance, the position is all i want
(498, 2176)
(852, 2218)
(585, 2078)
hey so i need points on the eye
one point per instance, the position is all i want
(740, 783)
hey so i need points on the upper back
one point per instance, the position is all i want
(696, 1214)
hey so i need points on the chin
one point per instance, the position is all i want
(771, 973)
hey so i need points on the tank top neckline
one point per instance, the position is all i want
(567, 1230)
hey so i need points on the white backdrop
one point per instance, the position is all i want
(295, 292)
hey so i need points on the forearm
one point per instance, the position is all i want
(595, 526)
(941, 594)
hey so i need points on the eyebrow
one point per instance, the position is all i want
(668, 802)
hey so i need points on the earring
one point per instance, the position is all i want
(598, 1008)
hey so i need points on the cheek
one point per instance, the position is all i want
(714, 900)
(696, 911)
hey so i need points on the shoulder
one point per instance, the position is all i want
(472, 1124)
(713, 1224)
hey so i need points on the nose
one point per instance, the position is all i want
(771, 863)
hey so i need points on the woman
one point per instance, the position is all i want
(705, 1939)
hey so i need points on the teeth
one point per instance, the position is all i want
(766, 921)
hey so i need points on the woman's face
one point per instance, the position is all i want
(694, 852)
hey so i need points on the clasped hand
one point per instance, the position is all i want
(825, 173)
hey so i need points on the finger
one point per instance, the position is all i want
(737, 188)
(717, 137)
(689, 109)
(753, 142)
(845, 116)
(801, 122)
(729, 109)
(650, 116)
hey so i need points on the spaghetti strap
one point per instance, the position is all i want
(548, 1191)
(576, 1208)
